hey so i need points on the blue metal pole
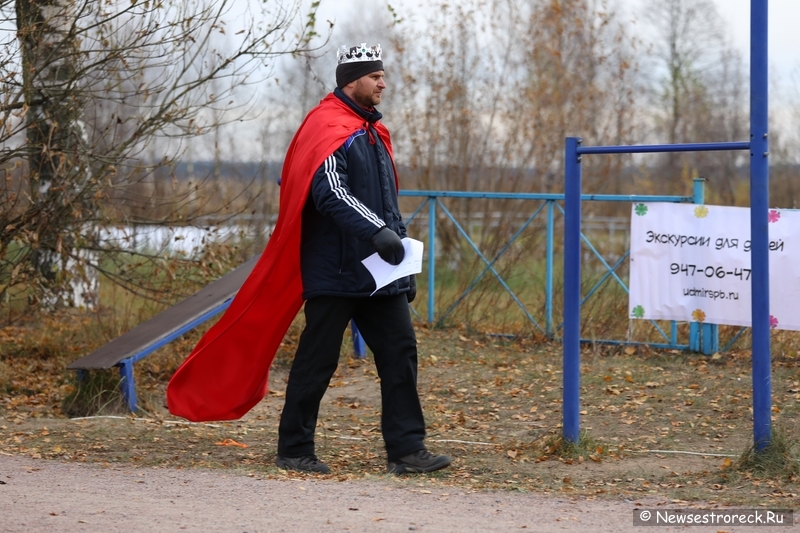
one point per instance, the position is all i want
(549, 271)
(127, 384)
(661, 148)
(710, 339)
(431, 256)
(572, 290)
(359, 345)
(699, 191)
(432, 195)
(695, 328)
(759, 226)
(708, 332)
(694, 337)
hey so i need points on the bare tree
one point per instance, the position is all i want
(578, 80)
(488, 90)
(784, 143)
(700, 94)
(792, 118)
(99, 99)
(688, 33)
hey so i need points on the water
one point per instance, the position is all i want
(177, 240)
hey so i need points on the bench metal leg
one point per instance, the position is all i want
(359, 346)
(127, 384)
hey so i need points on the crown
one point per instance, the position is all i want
(355, 54)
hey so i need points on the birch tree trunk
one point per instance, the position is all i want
(56, 144)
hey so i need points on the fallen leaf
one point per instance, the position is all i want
(230, 442)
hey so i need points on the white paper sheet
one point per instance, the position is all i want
(384, 273)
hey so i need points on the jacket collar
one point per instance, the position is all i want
(369, 116)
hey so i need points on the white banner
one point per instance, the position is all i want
(692, 263)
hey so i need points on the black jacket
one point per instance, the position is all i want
(353, 195)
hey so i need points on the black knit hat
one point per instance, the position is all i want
(357, 61)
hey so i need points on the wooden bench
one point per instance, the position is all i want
(167, 326)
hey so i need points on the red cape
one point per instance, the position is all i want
(226, 374)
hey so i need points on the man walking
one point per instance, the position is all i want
(351, 211)
(338, 205)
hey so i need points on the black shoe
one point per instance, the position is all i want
(306, 463)
(417, 462)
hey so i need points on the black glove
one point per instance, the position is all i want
(412, 288)
(389, 246)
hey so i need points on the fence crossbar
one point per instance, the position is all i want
(609, 271)
(662, 148)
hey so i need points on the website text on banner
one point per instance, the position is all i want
(692, 263)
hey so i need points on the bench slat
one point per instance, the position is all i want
(153, 330)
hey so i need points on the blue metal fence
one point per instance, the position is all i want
(549, 207)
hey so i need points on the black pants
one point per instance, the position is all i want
(385, 324)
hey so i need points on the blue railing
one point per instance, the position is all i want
(701, 337)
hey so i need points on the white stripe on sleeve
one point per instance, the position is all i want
(341, 193)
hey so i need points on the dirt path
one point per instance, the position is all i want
(60, 497)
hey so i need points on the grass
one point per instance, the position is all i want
(585, 448)
(96, 394)
(4, 376)
(778, 460)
